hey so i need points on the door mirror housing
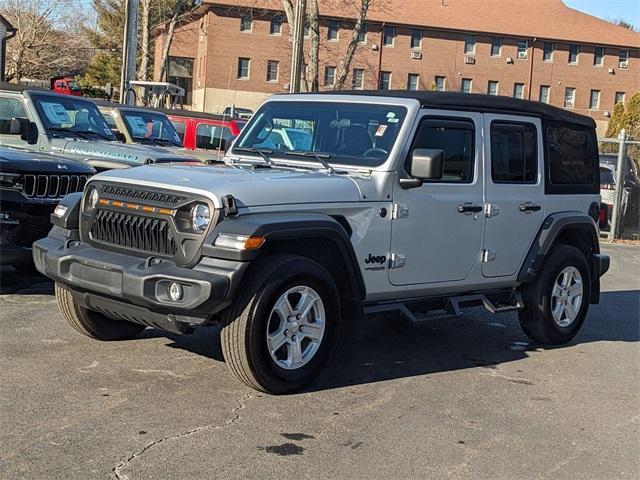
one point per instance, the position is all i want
(27, 130)
(426, 164)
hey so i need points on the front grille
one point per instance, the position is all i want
(146, 234)
(52, 186)
(32, 229)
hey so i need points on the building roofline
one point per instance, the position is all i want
(10, 28)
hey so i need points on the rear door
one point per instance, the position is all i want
(514, 191)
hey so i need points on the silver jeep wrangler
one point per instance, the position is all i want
(419, 203)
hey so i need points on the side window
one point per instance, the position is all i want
(456, 139)
(514, 153)
(572, 155)
(180, 128)
(208, 136)
(10, 108)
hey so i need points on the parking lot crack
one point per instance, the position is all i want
(118, 469)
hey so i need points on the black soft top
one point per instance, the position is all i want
(194, 114)
(480, 103)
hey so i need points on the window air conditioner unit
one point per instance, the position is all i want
(522, 55)
(416, 55)
(611, 71)
(624, 64)
(607, 113)
(509, 60)
(469, 60)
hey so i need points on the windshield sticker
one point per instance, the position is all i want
(138, 126)
(380, 131)
(56, 113)
(391, 115)
(393, 120)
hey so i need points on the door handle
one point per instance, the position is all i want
(528, 207)
(468, 208)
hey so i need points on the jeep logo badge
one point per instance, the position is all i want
(375, 262)
(62, 167)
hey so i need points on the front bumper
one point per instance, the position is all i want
(117, 284)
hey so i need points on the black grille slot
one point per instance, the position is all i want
(133, 231)
(52, 186)
(32, 229)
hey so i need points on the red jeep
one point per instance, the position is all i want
(204, 131)
(66, 85)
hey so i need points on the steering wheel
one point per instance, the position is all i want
(375, 152)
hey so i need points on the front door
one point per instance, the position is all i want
(514, 192)
(437, 227)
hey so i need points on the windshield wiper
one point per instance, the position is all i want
(66, 131)
(319, 157)
(263, 152)
(91, 132)
(163, 142)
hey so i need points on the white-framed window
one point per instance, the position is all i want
(385, 81)
(388, 36)
(545, 91)
(623, 59)
(569, 97)
(469, 44)
(466, 85)
(362, 34)
(492, 87)
(574, 53)
(518, 90)
(496, 46)
(358, 79)
(619, 98)
(547, 52)
(594, 100)
(243, 68)
(523, 48)
(598, 56)
(441, 84)
(273, 67)
(246, 23)
(333, 30)
(275, 27)
(413, 82)
(416, 38)
(329, 76)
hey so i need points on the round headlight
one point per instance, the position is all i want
(92, 200)
(200, 217)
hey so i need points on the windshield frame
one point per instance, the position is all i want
(166, 121)
(412, 107)
(38, 98)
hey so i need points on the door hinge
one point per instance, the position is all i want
(488, 256)
(399, 211)
(492, 210)
(397, 261)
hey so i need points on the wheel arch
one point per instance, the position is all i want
(570, 228)
(319, 237)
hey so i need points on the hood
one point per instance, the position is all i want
(25, 161)
(128, 154)
(251, 187)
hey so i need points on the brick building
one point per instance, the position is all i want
(238, 51)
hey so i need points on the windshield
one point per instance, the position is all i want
(73, 86)
(346, 133)
(71, 114)
(150, 127)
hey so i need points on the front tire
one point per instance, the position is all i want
(283, 329)
(557, 300)
(90, 323)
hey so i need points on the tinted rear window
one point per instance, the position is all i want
(606, 176)
(572, 155)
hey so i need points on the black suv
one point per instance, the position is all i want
(31, 185)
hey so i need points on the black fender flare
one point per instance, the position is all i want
(551, 229)
(275, 227)
(70, 220)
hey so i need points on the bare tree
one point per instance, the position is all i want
(46, 42)
(179, 8)
(145, 14)
(345, 64)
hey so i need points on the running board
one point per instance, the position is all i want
(441, 308)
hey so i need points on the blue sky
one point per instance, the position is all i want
(628, 10)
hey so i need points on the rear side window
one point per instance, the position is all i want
(455, 139)
(572, 156)
(208, 136)
(514, 153)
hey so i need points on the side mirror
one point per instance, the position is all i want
(427, 164)
(27, 130)
(119, 136)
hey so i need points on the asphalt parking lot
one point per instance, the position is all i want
(466, 398)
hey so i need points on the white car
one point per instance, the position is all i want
(420, 203)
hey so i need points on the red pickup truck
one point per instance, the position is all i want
(204, 131)
(66, 85)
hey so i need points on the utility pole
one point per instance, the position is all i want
(129, 48)
(297, 54)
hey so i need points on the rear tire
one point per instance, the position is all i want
(557, 299)
(268, 341)
(90, 323)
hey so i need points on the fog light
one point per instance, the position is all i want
(175, 292)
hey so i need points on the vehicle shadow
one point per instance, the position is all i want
(391, 347)
(28, 282)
